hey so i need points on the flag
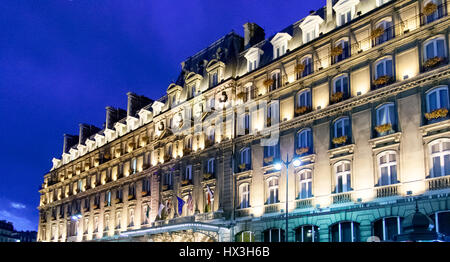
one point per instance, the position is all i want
(161, 207)
(190, 203)
(180, 205)
(210, 198)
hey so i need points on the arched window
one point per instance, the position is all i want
(244, 195)
(435, 53)
(304, 100)
(386, 114)
(345, 232)
(383, 68)
(276, 78)
(245, 156)
(307, 63)
(341, 128)
(274, 235)
(387, 168)
(341, 50)
(304, 141)
(305, 184)
(210, 166)
(441, 221)
(387, 228)
(245, 236)
(307, 233)
(440, 157)
(340, 85)
(438, 13)
(187, 175)
(272, 190)
(437, 98)
(383, 31)
(343, 176)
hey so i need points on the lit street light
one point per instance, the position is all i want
(296, 162)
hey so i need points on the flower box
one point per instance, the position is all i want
(438, 113)
(207, 176)
(268, 160)
(302, 109)
(186, 151)
(268, 82)
(379, 31)
(383, 128)
(432, 62)
(208, 143)
(117, 200)
(130, 197)
(299, 68)
(241, 95)
(335, 51)
(167, 158)
(242, 166)
(165, 187)
(144, 193)
(429, 8)
(95, 206)
(336, 97)
(382, 80)
(339, 140)
(302, 150)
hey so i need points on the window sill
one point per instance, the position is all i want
(386, 139)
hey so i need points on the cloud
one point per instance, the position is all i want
(19, 222)
(17, 205)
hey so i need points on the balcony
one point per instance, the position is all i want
(243, 167)
(381, 35)
(340, 198)
(382, 81)
(243, 212)
(432, 12)
(438, 183)
(301, 110)
(433, 63)
(303, 203)
(387, 191)
(271, 208)
(208, 176)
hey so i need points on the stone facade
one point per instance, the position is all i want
(356, 92)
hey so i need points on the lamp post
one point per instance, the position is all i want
(286, 164)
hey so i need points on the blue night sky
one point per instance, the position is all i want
(62, 62)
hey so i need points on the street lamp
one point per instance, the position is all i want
(296, 162)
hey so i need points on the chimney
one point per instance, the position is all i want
(69, 141)
(329, 11)
(113, 115)
(136, 102)
(253, 34)
(85, 132)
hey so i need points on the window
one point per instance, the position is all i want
(382, 2)
(345, 17)
(245, 236)
(344, 50)
(272, 190)
(387, 228)
(307, 233)
(168, 179)
(383, 31)
(210, 135)
(304, 99)
(213, 79)
(252, 65)
(440, 157)
(441, 221)
(212, 103)
(134, 165)
(305, 184)
(340, 85)
(192, 91)
(131, 191)
(245, 156)
(188, 173)
(274, 235)
(270, 151)
(387, 168)
(304, 141)
(276, 78)
(108, 198)
(434, 49)
(343, 176)
(189, 142)
(383, 68)
(244, 195)
(341, 127)
(307, 66)
(246, 119)
(438, 13)
(210, 166)
(437, 98)
(119, 195)
(310, 35)
(345, 232)
(386, 114)
(131, 215)
(252, 57)
(118, 220)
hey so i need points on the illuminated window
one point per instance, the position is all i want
(440, 157)
(245, 236)
(385, 115)
(304, 99)
(437, 98)
(387, 168)
(274, 235)
(272, 190)
(435, 48)
(345, 53)
(343, 176)
(245, 156)
(341, 128)
(386, 31)
(307, 233)
(188, 173)
(438, 13)
(276, 78)
(340, 85)
(305, 184)
(304, 140)
(383, 68)
(244, 195)
(307, 63)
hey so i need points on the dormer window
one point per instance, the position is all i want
(213, 78)
(345, 11)
(253, 56)
(280, 44)
(381, 2)
(310, 27)
(215, 69)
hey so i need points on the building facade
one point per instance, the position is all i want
(356, 92)
(7, 232)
